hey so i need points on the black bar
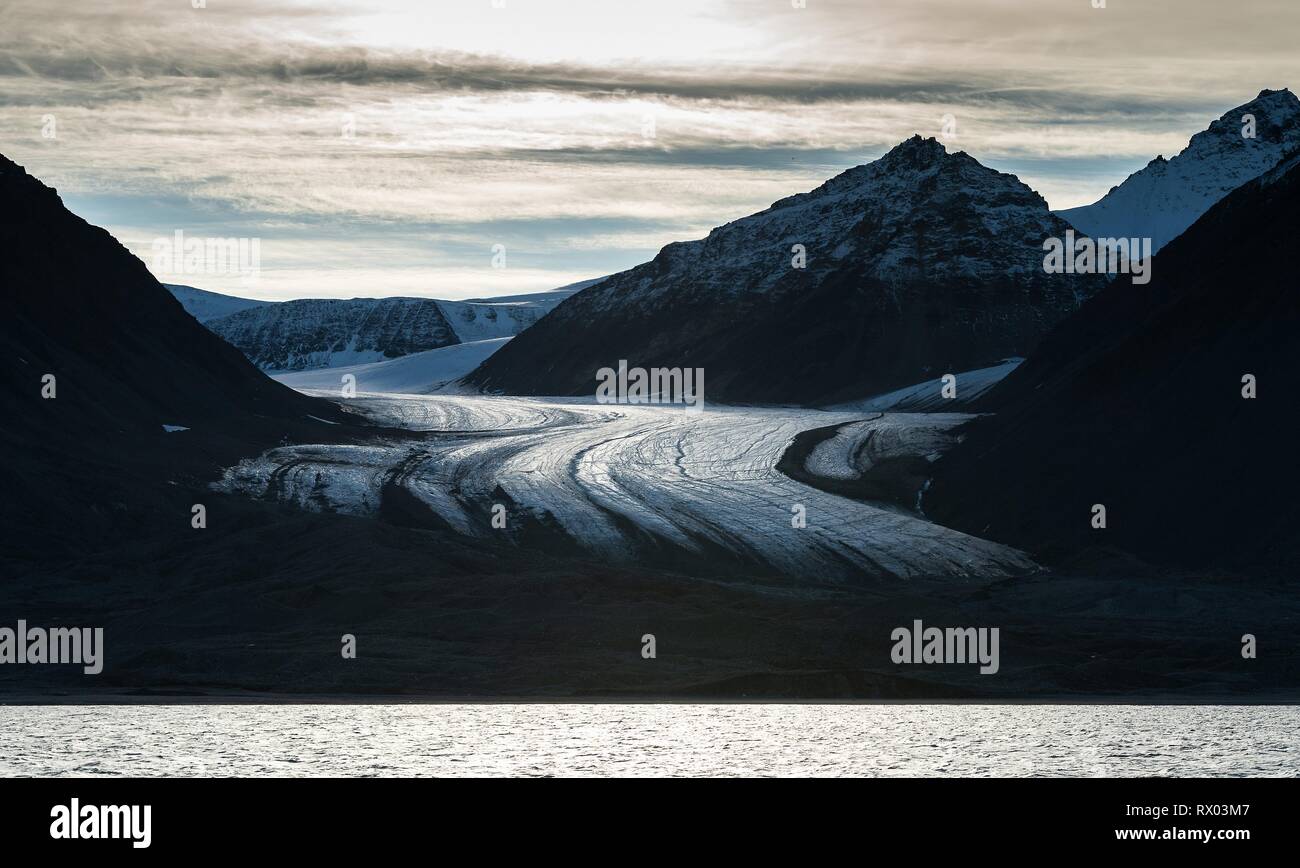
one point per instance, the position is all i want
(331, 817)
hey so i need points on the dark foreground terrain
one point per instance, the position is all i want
(256, 605)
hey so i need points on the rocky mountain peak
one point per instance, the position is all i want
(1277, 121)
(1165, 197)
(916, 151)
(917, 177)
(889, 268)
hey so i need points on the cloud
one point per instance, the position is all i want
(590, 131)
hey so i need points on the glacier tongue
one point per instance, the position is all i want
(416, 374)
(624, 482)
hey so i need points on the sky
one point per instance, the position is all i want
(469, 148)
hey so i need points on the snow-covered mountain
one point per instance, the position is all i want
(205, 306)
(321, 333)
(326, 333)
(492, 318)
(1167, 196)
(919, 263)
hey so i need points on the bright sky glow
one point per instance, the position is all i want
(385, 147)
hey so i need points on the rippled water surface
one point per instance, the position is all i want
(607, 739)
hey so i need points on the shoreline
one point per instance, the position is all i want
(245, 698)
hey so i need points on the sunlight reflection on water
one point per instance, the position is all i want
(610, 739)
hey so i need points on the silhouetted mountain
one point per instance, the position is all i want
(916, 264)
(1136, 403)
(126, 360)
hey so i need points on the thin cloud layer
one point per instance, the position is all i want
(578, 135)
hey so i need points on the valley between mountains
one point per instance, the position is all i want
(486, 529)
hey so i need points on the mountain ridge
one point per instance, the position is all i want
(306, 334)
(916, 263)
(1164, 198)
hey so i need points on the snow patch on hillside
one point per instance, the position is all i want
(205, 306)
(417, 374)
(928, 396)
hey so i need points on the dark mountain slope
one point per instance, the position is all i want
(919, 263)
(127, 360)
(1136, 403)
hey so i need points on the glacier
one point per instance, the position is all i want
(627, 484)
